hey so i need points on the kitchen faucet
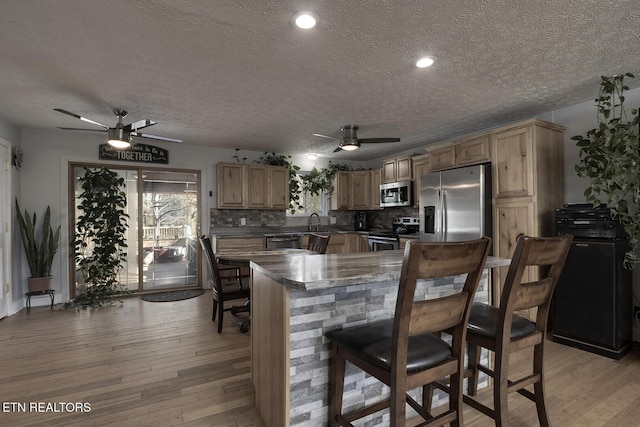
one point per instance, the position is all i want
(311, 220)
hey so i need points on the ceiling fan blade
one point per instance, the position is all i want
(159, 138)
(337, 149)
(140, 124)
(86, 130)
(84, 119)
(324, 136)
(377, 140)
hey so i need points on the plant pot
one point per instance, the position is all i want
(39, 284)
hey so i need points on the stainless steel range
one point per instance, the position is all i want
(389, 239)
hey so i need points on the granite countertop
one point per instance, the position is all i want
(314, 272)
(236, 232)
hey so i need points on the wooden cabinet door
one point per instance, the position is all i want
(360, 190)
(337, 244)
(341, 187)
(513, 172)
(376, 180)
(511, 217)
(231, 185)
(442, 158)
(279, 187)
(389, 171)
(474, 151)
(403, 168)
(258, 187)
(420, 167)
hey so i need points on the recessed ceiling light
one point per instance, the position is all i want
(312, 156)
(425, 62)
(305, 20)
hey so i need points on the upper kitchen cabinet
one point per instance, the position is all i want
(376, 180)
(528, 161)
(252, 186)
(361, 190)
(340, 196)
(420, 167)
(464, 152)
(232, 185)
(442, 158)
(279, 187)
(398, 169)
(356, 190)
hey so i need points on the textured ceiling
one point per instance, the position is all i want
(237, 74)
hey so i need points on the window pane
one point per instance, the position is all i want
(309, 203)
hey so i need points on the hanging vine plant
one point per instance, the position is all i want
(100, 240)
(610, 158)
(317, 182)
(274, 159)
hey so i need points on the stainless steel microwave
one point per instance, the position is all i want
(396, 194)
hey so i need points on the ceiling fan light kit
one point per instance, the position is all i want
(351, 142)
(120, 136)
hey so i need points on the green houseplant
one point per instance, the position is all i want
(610, 158)
(40, 247)
(321, 181)
(100, 239)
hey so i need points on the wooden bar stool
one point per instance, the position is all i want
(502, 331)
(318, 243)
(404, 353)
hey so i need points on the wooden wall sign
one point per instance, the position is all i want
(135, 153)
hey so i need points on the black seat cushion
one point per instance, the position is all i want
(484, 318)
(372, 343)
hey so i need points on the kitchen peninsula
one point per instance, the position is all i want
(296, 299)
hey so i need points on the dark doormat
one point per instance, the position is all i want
(172, 295)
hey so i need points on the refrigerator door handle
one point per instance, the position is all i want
(440, 220)
(443, 216)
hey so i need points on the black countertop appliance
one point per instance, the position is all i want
(361, 221)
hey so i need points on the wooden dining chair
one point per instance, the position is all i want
(502, 331)
(318, 243)
(225, 287)
(404, 352)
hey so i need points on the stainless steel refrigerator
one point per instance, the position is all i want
(455, 205)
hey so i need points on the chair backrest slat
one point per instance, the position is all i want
(437, 314)
(318, 243)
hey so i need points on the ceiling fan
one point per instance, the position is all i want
(121, 135)
(350, 141)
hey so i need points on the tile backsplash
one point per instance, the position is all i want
(228, 218)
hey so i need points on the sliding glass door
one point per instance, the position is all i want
(169, 222)
(163, 209)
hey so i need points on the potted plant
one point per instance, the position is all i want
(40, 248)
(100, 239)
(610, 158)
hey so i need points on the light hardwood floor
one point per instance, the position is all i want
(163, 364)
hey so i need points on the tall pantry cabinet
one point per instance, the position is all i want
(528, 185)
